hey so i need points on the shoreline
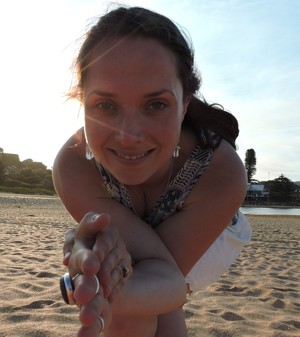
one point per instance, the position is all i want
(43, 196)
(270, 206)
(276, 216)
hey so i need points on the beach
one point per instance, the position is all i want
(258, 296)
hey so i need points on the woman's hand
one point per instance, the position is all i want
(96, 315)
(96, 248)
(95, 251)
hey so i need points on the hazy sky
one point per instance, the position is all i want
(248, 52)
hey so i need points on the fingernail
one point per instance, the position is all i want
(95, 217)
(67, 255)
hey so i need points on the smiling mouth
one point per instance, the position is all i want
(132, 157)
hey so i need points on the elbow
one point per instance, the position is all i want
(179, 288)
(182, 290)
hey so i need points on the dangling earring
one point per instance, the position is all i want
(176, 152)
(88, 153)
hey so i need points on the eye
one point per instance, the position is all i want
(156, 106)
(106, 106)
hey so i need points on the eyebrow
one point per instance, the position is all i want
(100, 93)
(149, 95)
(159, 93)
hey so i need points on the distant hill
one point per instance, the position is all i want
(26, 177)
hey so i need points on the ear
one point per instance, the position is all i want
(185, 106)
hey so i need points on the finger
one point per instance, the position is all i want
(117, 277)
(91, 224)
(86, 288)
(68, 245)
(107, 267)
(83, 260)
(112, 262)
(105, 242)
(89, 317)
(89, 312)
(93, 330)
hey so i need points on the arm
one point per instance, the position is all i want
(210, 207)
(154, 265)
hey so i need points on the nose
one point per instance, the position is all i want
(130, 130)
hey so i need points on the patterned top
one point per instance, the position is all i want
(176, 193)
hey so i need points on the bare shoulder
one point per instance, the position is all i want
(224, 182)
(227, 164)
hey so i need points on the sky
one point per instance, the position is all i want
(248, 52)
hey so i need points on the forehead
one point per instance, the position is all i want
(131, 56)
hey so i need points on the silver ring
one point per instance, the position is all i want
(125, 270)
(102, 323)
(96, 278)
(98, 284)
(75, 277)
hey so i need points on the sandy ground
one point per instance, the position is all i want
(259, 296)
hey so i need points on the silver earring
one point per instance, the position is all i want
(88, 153)
(176, 152)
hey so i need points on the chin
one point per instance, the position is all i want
(131, 180)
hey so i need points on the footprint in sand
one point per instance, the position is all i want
(35, 305)
(231, 316)
(278, 304)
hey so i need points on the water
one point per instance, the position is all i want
(271, 210)
(23, 198)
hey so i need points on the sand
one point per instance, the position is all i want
(258, 296)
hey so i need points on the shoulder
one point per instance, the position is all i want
(224, 182)
(227, 164)
(226, 167)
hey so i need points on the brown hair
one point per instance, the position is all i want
(139, 22)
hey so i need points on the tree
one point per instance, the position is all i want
(250, 164)
(27, 176)
(281, 188)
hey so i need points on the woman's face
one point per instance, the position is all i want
(134, 107)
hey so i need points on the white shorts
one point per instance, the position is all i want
(220, 255)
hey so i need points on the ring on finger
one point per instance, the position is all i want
(75, 277)
(96, 278)
(98, 284)
(124, 269)
(102, 323)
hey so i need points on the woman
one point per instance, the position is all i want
(162, 159)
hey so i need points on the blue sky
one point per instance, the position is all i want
(248, 52)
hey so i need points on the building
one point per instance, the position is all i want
(257, 191)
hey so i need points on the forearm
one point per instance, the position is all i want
(155, 287)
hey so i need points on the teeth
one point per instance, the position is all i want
(131, 157)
